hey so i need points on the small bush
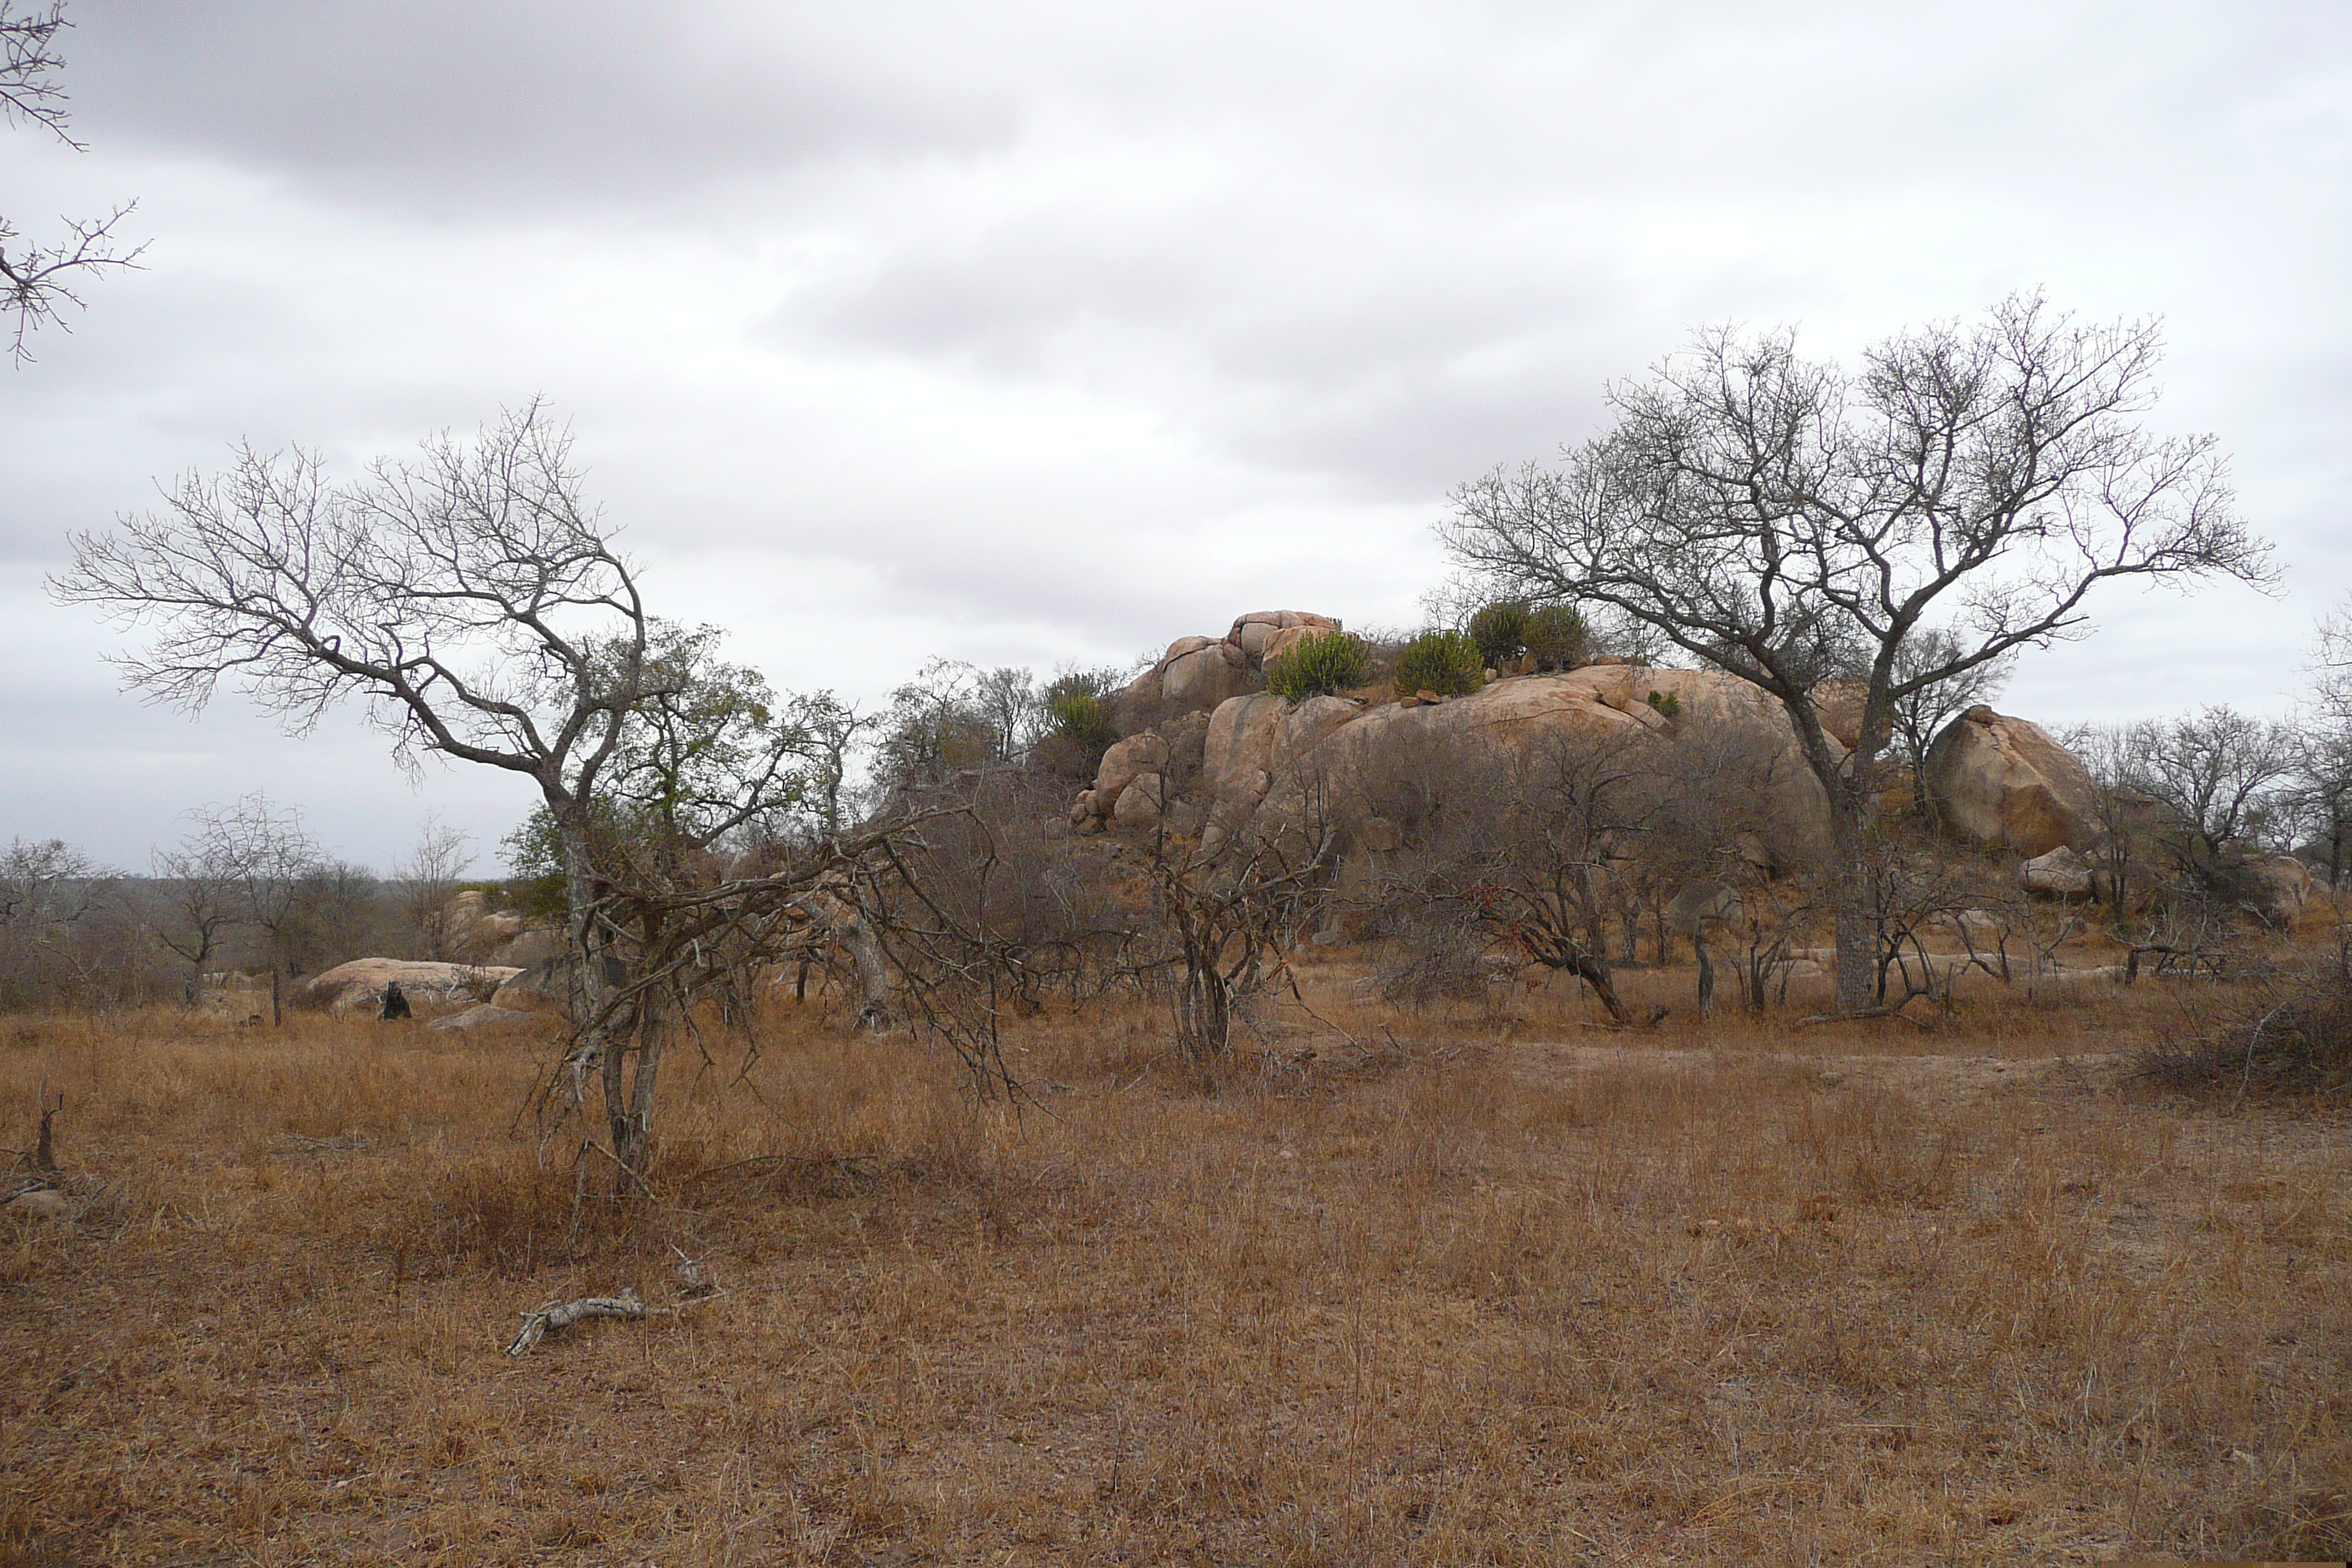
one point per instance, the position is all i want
(1558, 637)
(1666, 703)
(1447, 663)
(1321, 666)
(1500, 630)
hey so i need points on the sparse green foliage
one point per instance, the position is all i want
(1500, 631)
(1668, 704)
(1320, 665)
(1447, 663)
(1557, 637)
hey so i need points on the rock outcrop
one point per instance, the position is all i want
(479, 934)
(349, 987)
(2002, 782)
(1260, 764)
(1360, 758)
(546, 983)
(471, 927)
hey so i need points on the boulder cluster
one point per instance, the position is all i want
(1168, 707)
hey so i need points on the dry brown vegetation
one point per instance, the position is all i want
(1506, 1290)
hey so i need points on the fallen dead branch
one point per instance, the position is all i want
(555, 1317)
(702, 1287)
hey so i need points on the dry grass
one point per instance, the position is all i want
(1497, 1292)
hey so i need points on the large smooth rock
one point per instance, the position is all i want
(1253, 633)
(473, 930)
(533, 946)
(2283, 888)
(1283, 641)
(548, 984)
(1838, 705)
(348, 987)
(1703, 905)
(1139, 803)
(1239, 754)
(2002, 782)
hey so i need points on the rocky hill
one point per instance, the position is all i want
(1210, 755)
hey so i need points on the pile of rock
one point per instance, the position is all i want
(1168, 707)
(1210, 755)
(1198, 673)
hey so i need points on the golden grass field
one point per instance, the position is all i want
(1511, 1292)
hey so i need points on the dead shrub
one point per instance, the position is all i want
(2281, 1037)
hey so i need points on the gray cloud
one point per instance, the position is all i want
(461, 110)
(1054, 331)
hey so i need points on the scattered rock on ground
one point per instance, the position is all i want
(2059, 874)
(44, 1203)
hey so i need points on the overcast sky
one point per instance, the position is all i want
(1036, 333)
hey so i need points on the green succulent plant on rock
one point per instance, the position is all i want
(1558, 637)
(1447, 663)
(1320, 665)
(1500, 630)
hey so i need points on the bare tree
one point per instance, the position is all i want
(428, 876)
(1014, 709)
(334, 916)
(471, 598)
(271, 862)
(48, 893)
(2319, 793)
(828, 734)
(1784, 520)
(197, 892)
(38, 281)
(937, 726)
(2331, 662)
(477, 604)
(2316, 802)
(1533, 851)
(2217, 774)
(1228, 920)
